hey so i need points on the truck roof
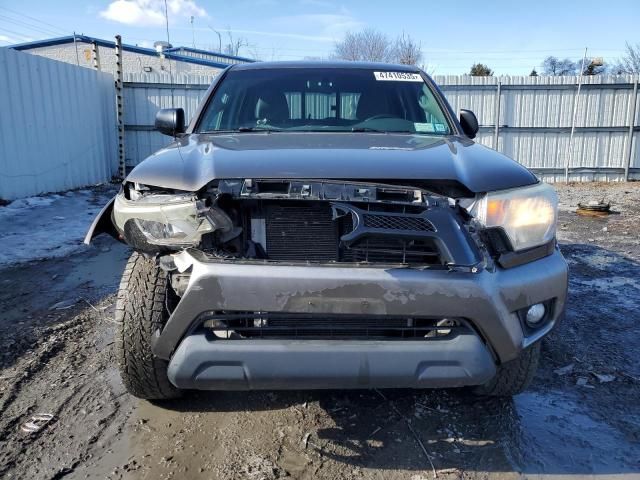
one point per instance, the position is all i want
(326, 64)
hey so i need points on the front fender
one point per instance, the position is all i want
(103, 224)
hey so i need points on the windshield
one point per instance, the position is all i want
(317, 99)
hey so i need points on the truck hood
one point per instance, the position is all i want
(191, 162)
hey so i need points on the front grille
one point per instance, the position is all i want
(306, 231)
(392, 250)
(252, 325)
(397, 222)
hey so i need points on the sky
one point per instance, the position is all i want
(511, 37)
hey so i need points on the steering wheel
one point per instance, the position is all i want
(379, 116)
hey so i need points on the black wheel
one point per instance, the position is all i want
(140, 310)
(513, 377)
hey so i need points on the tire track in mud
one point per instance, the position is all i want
(67, 374)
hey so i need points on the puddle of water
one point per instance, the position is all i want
(557, 436)
(102, 270)
(611, 282)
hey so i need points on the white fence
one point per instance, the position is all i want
(57, 128)
(530, 120)
(526, 118)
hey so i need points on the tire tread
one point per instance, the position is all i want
(140, 311)
(513, 377)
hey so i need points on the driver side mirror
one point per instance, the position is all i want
(469, 123)
(170, 121)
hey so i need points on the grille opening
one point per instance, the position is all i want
(256, 325)
(398, 222)
(272, 187)
(389, 207)
(394, 195)
(392, 250)
(376, 249)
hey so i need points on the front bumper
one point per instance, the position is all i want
(316, 364)
(489, 300)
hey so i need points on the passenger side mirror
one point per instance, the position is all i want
(170, 121)
(469, 123)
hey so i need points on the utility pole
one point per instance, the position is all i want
(219, 39)
(193, 33)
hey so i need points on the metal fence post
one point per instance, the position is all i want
(632, 121)
(120, 109)
(96, 55)
(497, 115)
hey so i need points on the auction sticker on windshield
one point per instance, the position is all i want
(398, 76)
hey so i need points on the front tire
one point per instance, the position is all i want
(141, 309)
(512, 377)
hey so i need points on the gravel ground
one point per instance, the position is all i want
(581, 416)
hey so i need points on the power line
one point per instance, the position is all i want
(29, 26)
(55, 27)
(16, 34)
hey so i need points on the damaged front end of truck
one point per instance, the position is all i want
(300, 221)
(258, 260)
(331, 226)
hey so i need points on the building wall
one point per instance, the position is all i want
(81, 54)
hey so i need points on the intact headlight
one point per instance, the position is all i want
(528, 215)
(163, 219)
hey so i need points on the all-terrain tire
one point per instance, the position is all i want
(514, 376)
(141, 309)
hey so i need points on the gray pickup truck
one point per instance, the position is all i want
(331, 225)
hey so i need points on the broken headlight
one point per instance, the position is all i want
(164, 219)
(527, 215)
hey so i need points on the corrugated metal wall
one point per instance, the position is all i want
(57, 128)
(144, 95)
(534, 123)
(535, 118)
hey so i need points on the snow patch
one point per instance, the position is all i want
(50, 225)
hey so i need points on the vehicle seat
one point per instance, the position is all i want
(376, 103)
(273, 107)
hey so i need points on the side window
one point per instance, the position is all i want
(432, 111)
(215, 115)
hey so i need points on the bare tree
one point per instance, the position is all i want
(480, 70)
(407, 50)
(369, 45)
(235, 44)
(555, 67)
(630, 61)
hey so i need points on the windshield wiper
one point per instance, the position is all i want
(367, 129)
(258, 128)
(244, 129)
(377, 130)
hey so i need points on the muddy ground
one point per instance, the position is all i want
(580, 417)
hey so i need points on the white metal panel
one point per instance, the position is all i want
(57, 131)
(529, 114)
(142, 100)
